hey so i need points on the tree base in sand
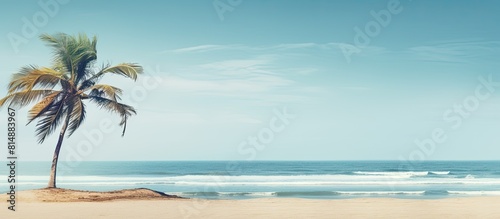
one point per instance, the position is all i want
(68, 195)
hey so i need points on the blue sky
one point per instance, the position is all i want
(216, 77)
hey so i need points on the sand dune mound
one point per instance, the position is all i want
(68, 195)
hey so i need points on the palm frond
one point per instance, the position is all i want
(125, 111)
(77, 115)
(30, 77)
(51, 118)
(76, 53)
(60, 43)
(87, 56)
(86, 84)
(108, 90)
(41, 107)
(24, 98)
(129, 70)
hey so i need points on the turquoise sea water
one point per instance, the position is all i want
(239, 180)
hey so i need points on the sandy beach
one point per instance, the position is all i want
(143, 204)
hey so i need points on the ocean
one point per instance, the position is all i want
(257, 179)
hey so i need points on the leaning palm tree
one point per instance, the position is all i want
(60, 91)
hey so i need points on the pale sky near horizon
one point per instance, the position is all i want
(361, 85)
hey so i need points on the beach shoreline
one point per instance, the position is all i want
(33, 204)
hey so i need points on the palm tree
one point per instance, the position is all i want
(62, 89)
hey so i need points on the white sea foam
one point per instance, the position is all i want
(256, 180)
(440, 172)
(475, 192)
(330, 193)
(393, 174)
(382, 192)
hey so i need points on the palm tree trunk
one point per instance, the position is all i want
(53, 169)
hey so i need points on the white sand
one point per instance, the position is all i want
(30, 206)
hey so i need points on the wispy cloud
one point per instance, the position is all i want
(253, 76)
(241, 67)
(250, 85)
(297, 46)
(236, 64)
(202, 48)
(334, 49)
(456, 51)
(257, 81)
(215, 47)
